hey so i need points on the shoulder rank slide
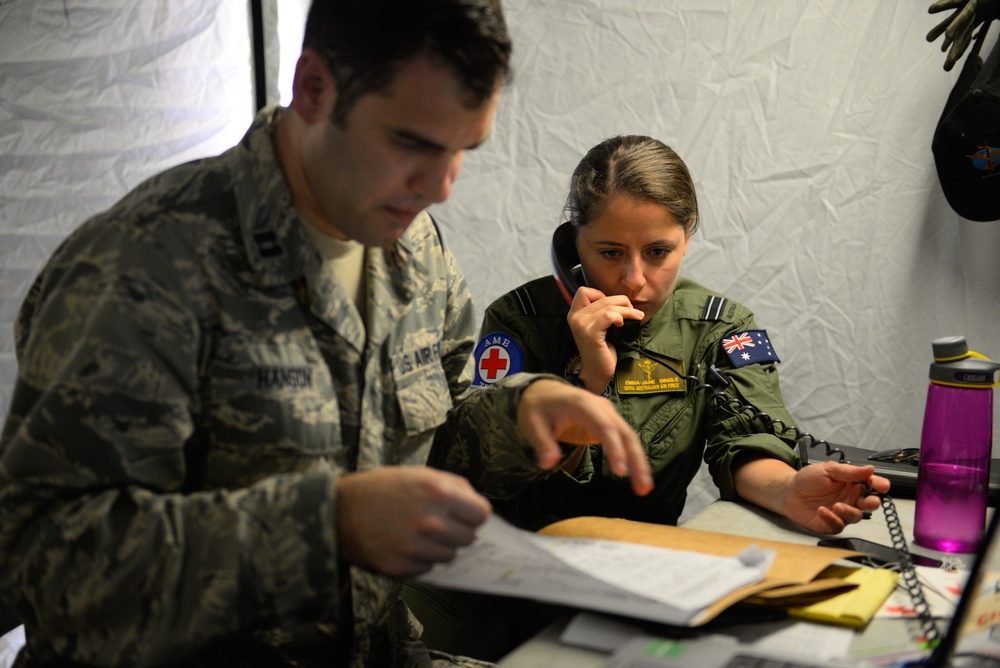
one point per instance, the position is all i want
(714, 306)
(524, 300)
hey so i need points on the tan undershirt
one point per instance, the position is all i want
(346, 259)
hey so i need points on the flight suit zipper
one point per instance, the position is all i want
(658, 436)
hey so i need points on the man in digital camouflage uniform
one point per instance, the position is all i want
(229, 382)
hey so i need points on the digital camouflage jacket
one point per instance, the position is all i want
(191, 386)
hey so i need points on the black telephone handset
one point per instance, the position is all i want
(565, 261)
(569, 274)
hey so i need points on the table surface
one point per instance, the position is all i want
(545, 650)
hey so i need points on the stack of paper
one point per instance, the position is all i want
(641, 581)
(655, 572)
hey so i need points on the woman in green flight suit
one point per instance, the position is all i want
(632, 210)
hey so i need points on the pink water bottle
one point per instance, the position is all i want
(955, 449)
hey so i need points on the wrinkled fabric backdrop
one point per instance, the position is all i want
(807, 128)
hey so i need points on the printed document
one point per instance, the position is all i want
(640, 581)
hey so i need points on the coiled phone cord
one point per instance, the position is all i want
(722, 399)
(928, 628)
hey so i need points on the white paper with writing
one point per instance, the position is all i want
(642, 581)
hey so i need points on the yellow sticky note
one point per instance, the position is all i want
(854, 608)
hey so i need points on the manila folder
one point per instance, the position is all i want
(790, 581)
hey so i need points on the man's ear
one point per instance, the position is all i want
(311, 86)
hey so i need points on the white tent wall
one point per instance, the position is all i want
(95, 96)
(807, 127)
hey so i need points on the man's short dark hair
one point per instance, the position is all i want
(365, 42)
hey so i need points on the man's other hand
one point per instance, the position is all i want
(400, 521)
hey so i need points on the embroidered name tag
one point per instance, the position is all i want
(644, 376)
(281, 378)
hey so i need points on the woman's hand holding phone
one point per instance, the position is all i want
(591, 315)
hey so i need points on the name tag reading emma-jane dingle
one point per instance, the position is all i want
(644, 376)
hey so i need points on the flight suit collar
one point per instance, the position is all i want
(662, 334)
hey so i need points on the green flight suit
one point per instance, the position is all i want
(677, 428)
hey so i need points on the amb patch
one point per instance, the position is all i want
(750, 346)
(497, 356)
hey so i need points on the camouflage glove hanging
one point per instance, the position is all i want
(958, 27)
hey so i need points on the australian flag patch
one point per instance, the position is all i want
(750, 346)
